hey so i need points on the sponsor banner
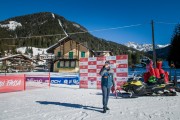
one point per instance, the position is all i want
(92, 70)
(99, 78)
(83, 74)
(84, 78)
(118, 63)
(100, 63)
(98, 71)
(122, 66)
(92, 78)
(110, 58)
(113, 66)
(84, 67)
(99, 66)
(98, 75)
(37, 79)
(83, 59)
(83, 71)
(92, 84)
(112, 61)
(92, 74)
(83, 63)
(92, 59)
(98, 84)
(122, 74)
(92, 66)
(121, 70)
(92, 63)
(101, 59)
(12, 83)
(83, 84)
(65, 80)
(122, 61)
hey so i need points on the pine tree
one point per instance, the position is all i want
(175, 48)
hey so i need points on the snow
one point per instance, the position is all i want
(144, 47)
(36, 51)
(63, 102)
(53, 15)
(43, 22)
(60, 23)
(12, 25)
(162, 46)
(76, 25)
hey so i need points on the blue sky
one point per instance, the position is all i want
(103, 14)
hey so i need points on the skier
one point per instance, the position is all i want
(107, 81)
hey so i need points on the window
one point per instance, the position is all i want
(58, 64)
(70, 55)
(59, 54)
(67, 64)
(73, 64)
(82, 54)
(62, 64)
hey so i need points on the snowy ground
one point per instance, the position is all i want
(63, 102)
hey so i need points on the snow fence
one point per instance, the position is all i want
(16, 82)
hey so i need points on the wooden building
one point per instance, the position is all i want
(67, 53)
(16, 63)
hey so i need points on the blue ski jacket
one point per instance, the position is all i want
(107, 77)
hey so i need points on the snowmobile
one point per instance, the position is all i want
(135, 88)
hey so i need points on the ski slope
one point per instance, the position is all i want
(63, 102)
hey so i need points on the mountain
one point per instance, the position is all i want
(161, 53)
(144, 47)
(44, 29)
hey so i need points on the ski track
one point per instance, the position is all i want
(68, 103)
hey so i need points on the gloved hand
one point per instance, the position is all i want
(115, 87)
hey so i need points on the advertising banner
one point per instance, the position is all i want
(12, 83)
(69, 80)
(37, 80)
(90, 68)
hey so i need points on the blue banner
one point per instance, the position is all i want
(65, 80)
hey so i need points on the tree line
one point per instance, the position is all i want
(173, 56)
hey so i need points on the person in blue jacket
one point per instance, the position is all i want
(107, 81)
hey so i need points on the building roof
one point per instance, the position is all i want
(17, 55)
(51, 48)
(102, 51)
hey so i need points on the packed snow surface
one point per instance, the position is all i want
(62, 102)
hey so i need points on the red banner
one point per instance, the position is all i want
(83, 84)
(12, 83)
(90, 68)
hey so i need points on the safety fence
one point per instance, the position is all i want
(26, 81)
(12, 83)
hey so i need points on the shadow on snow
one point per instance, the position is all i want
(98, 109)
